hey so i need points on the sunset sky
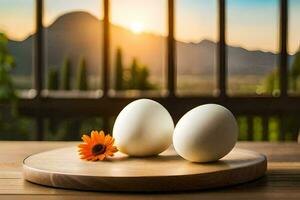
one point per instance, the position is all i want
(252, 24)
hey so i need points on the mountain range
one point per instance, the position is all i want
(80, 34)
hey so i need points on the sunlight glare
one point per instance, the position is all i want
(137, 27)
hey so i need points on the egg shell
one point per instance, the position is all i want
(143, 128)
(205, 133)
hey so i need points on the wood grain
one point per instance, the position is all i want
(282, 179)
(167, 172)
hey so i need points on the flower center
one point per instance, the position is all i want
(98, 149)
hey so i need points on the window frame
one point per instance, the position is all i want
(42, 106)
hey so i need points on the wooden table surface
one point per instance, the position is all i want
(282, 180)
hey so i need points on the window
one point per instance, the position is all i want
(138, 45)
(73, 35)
(17, 22)
(294, 47)
(252, 47)
(196, 37)
(221, 51)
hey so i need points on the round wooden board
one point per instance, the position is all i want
(62, 168)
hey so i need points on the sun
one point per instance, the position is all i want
(137, 27)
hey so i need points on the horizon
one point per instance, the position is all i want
(140, 33)
(262, 24)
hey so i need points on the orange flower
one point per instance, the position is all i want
(97, 147)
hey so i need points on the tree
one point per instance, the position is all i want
(272, 82)
(66, 74)
(7, 89)
(139, 77)
(133, 82)
(82, 75)
(11, 126)
(119, 81)
(143, 76)
(53, 80)
(295, 71)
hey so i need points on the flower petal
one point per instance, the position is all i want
(111, 142)
(101, 157)
(94, 135)
(113, 149)
(95, 158)
(86, 138)
(109, 153)
(102, 137)
(107, 140)
(85, 153)
(83, 145)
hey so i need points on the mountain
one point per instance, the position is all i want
(78, 34)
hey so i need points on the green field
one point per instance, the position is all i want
(186, 84)
(23, 128)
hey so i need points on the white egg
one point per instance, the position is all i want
(143, 128)
(205, 133)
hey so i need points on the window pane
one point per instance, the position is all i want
(252, 38)
(196, 35)
(294, 46)
(73, 44)
(138, 44)
(70, 129)
(17, 22)
(16, 127)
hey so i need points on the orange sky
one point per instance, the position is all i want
(253, 25)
